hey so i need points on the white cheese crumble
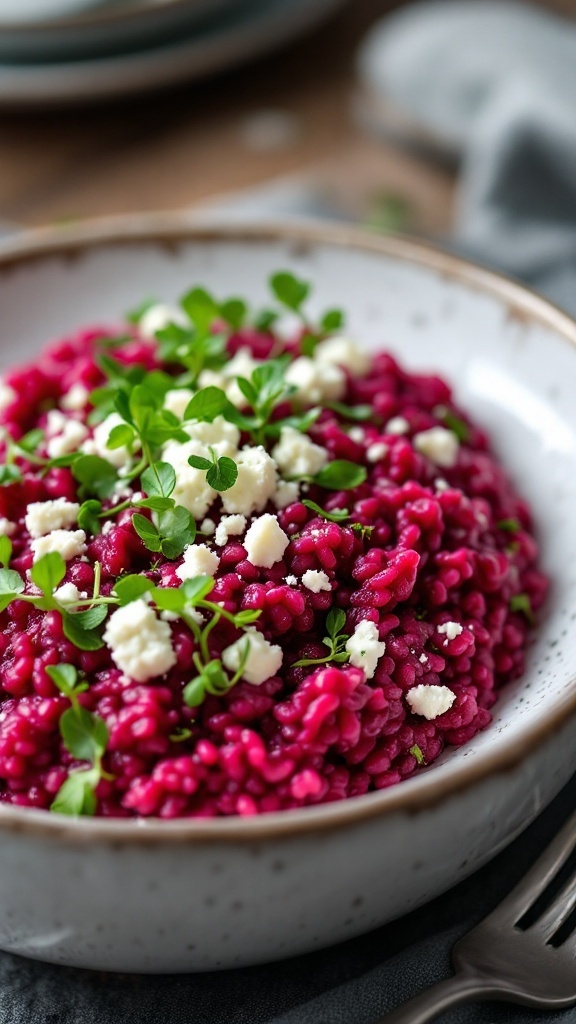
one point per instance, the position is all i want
(176, 400)
(69, 440)
(6, 527)
(296, 455)
(198, 561)
(208, 527)
(376, 451)
(68, 593)
(287, 492)
(159, 316)
(315, 383)
(450, 630)
(292, 581)
(430, 701)
(7, 395)
(357, 434)
(221, 435)
(242, 364)
(397, 425)
(255, 485)
(316, 580)
(423, 658)
(75, 399)
(263, 661)
(439, 445)
(229, 526)
(342, 351)
(441, 485)
(265, 541)
(364, 647)
(44, 516)
(68, 543)
(191, 490)
(140, 643)
(96, 445)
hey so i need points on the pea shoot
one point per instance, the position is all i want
(335, 641)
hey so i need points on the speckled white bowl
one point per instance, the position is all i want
(199, 895)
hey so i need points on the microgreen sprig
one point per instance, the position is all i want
(85, 736)
(221, 471)
(335, 641)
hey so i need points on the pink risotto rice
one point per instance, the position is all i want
(380, 619)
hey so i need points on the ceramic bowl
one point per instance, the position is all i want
(201, 895)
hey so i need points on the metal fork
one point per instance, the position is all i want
(523, 952)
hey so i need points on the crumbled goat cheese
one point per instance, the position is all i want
(68, 593)
(357, 434)
(441, 485)
(296, 455)
(397, 425)
(55, 422)
(316, 580)
(140, 643)
(242, 364)
(430, 701)
(287, 492)
(44, 516)
(292, 581)
(7, 395)
(109, 525)
(450, 630)
(159, 316)
(175, 401)
(72, 436)
(75, 399)
(68, 543)
(315, 383)
(423, 658)
(376, 451)
(255, 485)
(263, 661)
(364, 647)
(265, 541)
(221, 435)
(117, 457)
(198, 561)
(229, 526)
(6, 527)
(341, 351)
(208, 527)
(168, 616)
(191, 490)
(439, 445)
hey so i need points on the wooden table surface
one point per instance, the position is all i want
(179, 148)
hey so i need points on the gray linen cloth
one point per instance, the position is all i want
(502, 93)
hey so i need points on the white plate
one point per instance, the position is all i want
(247, 32)
(79, 29)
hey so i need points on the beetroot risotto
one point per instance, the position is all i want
(244, 569)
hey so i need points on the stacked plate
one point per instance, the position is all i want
(76, 51)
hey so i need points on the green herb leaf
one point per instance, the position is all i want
(130, 588)
(147, 531)
(74, 631)
(158, 480)
(202, 309)
(289, 290)
(511, 525)
(197, 462)
(265, 319)
(95, 475)
(66, 679)
(333, 320)
(5, 550)
(135, 315)
(121, 436)
(176, 529)
(29, 443)
(223, 474)
(180, 734)
(335, 621)
(9, 475)
(88, 516)
(340, 475)
(521, 603)
(417, 753)
(234, 312)
(91, 617)
(355, 413)
(85, 734)
(338, 515)
(197, 588)
(457, 425)
(11, 584)
(168, 599)
(48, 572)
(206, 405)
(77, 795)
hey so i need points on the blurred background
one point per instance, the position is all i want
(357, 110)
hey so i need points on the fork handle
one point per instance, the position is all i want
(461, 988)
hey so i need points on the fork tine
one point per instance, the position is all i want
(560, 910)
(525, 894)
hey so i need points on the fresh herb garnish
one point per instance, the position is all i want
(221, 472)
(521, 603)
(337, 515)
(417, 753)
(511, 525)
(85, 736)
(335, 641)
(340, 475)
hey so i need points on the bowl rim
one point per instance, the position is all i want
(169, 231)
(97, 18)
